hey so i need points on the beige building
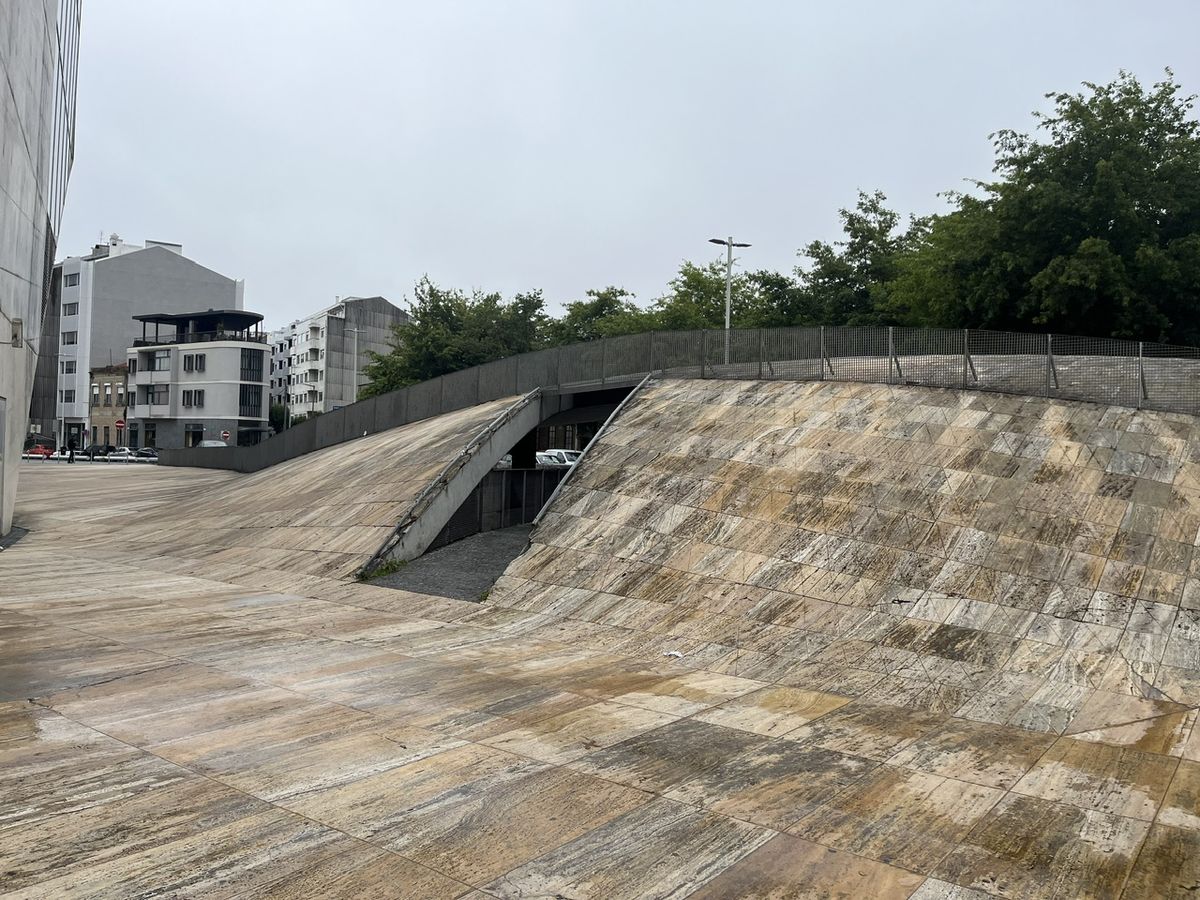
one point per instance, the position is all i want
(108, 405)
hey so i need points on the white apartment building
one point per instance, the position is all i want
(98, 296)
(196, 377)
(320, 359)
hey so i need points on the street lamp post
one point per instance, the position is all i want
(728, 245)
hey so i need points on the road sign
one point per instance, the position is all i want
(120, 424)
(224, 435)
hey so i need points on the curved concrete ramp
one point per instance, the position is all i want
(322, 514)
(978, 614)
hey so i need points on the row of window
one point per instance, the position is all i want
(193, 398)
(193, 362)
(70, 338)
(306, 398)
(68, 367)
(108, 395)
(71, 280)
(70, 309)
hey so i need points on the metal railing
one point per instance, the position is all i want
(1101, 370)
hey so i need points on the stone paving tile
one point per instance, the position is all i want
(925, 632)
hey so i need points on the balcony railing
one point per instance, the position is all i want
(199, 337)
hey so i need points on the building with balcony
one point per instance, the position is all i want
(39, 55)
(199, 376)
(327, 351)
(96, 296)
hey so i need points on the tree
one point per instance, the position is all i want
(847, 281)
(277, 417)
(1091, 227)
(451, 330)
(606, 313)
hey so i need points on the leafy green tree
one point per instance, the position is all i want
(1092, 226)
(277, 417)
(451, 330)
(847, 281)
(606, 313)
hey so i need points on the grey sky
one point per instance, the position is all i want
(316, 149)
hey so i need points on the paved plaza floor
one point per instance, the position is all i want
(772, 641)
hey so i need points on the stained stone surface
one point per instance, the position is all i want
(924, 643)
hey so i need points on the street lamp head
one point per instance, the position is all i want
(716, 241)
(741, 245)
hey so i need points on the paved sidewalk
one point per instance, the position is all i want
(463, 570)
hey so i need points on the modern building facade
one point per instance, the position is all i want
(39, 53)
(198, 376)
(281, 351)
(96, 298)
(108, 406)
(328, 350)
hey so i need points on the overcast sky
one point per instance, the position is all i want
(348, 147)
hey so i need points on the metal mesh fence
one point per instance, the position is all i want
(1102, 370)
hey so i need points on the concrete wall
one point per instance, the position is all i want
(38, 49)
(149, 281)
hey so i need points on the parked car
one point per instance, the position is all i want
(212, 444)
(99, 450)
(40, 451)
(147, 453)
(122, 453)
(570, 457)
(549, 459)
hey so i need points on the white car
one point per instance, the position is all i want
(122, 453)
(212, 444)
(570, 457)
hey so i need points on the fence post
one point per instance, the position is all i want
(603, 360)
(891, 352)
(517, 373)
(1051, 371)
(966, 354)
(650, 362)
(822, 363)
(703, 350)
(1143, 394)
(761, 353)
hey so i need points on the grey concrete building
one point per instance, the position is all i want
(97, 296)
(199, 376)
(329, 349)
(39, 52)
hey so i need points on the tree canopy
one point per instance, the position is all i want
(1090, 225)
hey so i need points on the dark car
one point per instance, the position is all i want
(99, 450)
(147, 453)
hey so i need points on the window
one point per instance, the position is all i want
(120, 395)
(188, 362)
(133, 435)
(69, 338)
(70, 309)
(158, 394)
(187, 398)
(106, 435)
(95, 395)
(151, 435)
(71, 280)
(252, 365)
(107, 397)
(68, 367)
(68, 396)
(132, 365)
(250, 400)
(193, 434)
(162, 360)
(198, 398)
(93, 434)
(200, 362)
